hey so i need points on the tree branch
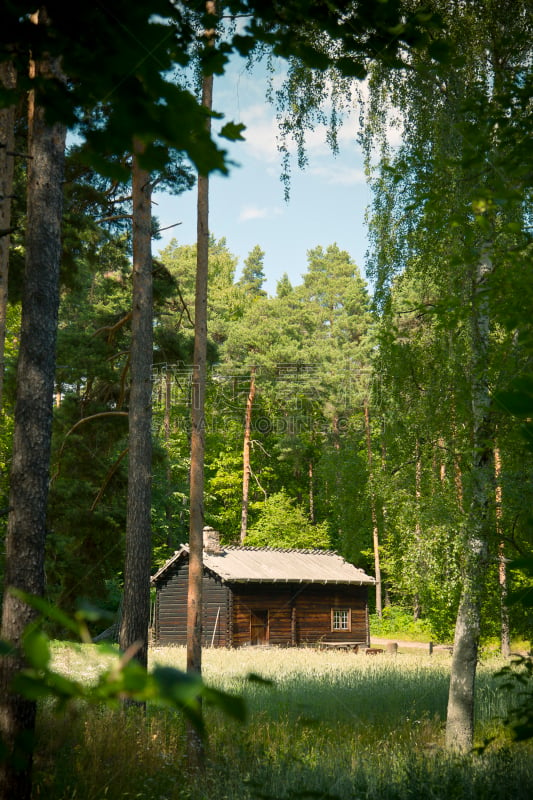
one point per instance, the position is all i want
(111, 471)
(168, 227)
(113, 218)
(77, 425)
(111, 329)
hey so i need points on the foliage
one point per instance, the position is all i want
(281, 523)
(253, 276)
(518, 678)
(455, 184)
(396, 621)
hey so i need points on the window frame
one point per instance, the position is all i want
(336, 610)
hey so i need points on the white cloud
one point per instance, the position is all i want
(260, 133)
(338, 174)
(254, 212)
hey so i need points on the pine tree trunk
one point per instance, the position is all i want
(7, 146)
(246, 467)
(136, 607)
(25, 542)
(195, 751)
(417, 609)
(375, 528)
(168, 506)
(310, 475)
(460, 717)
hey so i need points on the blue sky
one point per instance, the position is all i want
(327, 202)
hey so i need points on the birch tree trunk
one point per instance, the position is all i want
(136, 605)
(460, 716)
(505, 634)
(26, 532)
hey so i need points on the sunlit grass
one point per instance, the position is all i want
(329, 725)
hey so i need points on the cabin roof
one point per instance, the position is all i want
(274, 565)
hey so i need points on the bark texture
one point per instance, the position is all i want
(25, 542)
(7, 146)
(373, 511)
(505, 631)
(460, 716)
(136, 605)
(246, 466)
(195, 750)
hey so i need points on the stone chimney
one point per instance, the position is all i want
(211, 541)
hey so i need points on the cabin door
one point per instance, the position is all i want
(259, 627)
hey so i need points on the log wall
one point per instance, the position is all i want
(313, 614)
(171, 610)
(243, 614)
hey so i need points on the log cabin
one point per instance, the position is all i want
(264, 596)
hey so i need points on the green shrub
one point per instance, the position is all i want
(399, 622)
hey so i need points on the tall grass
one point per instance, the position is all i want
(331, 725)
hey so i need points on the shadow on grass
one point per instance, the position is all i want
(371, 731)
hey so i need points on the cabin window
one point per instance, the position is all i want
(341, 619)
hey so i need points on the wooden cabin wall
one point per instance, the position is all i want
(250, 598)
(216, 613)
(313, 614)
(298, 614)
(171, 610)
(242, 614)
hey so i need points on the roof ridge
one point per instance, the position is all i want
(304, 550)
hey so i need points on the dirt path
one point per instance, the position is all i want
(383, 642)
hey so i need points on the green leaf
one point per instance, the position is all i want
(253, 677)
(518, 399)
(233, 131)
(232, 705)
(440, 51)
(30, 686)
(177, 686)
(48, 610)
(37, 648)
(134, 677)
(91, 613)
(525, 564)
(6, 649)
(351, 68)
(64, 688)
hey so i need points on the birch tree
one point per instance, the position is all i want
(456, 192)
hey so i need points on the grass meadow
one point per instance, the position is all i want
(331, 726)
